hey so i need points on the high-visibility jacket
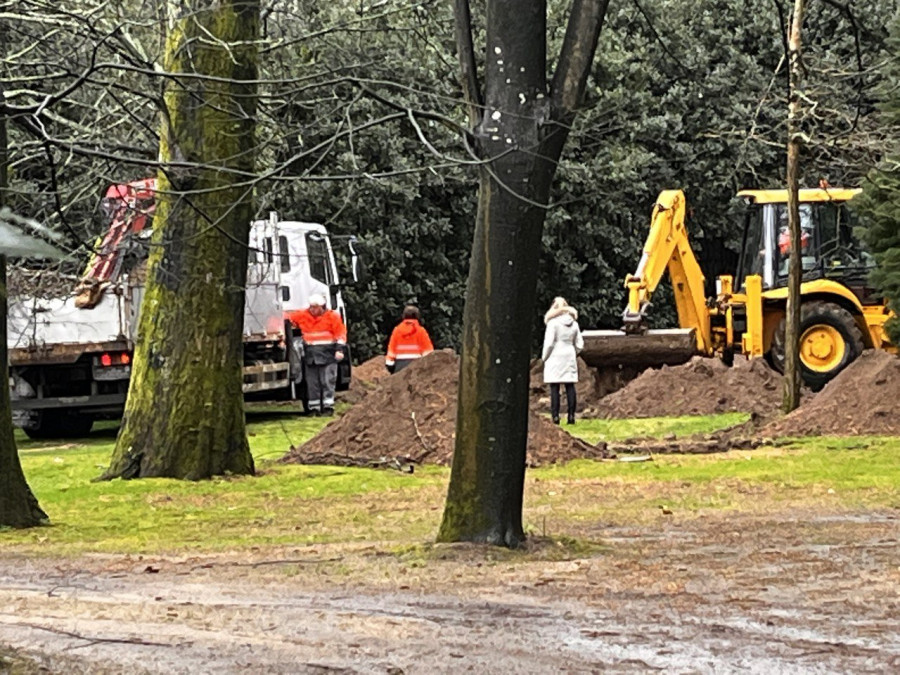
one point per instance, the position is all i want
(409, 341)
(322, 335)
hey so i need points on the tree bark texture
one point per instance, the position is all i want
(791, 387)
(184, 417)
(18, 506)
(520, 135)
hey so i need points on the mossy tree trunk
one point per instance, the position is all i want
(184, 417)
(518, 128)
(18, 506)
(791, 386)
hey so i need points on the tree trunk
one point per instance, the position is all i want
(520, 133)
(791, 394)
(18, 506)
(184, 417)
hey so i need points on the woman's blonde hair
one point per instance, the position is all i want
(558, 307)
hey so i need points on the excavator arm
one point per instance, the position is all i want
(666, 249)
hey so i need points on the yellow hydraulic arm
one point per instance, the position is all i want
(667, 248)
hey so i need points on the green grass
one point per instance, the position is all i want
(841, 464)
(593, 430)
(285, 504)
(297, 505)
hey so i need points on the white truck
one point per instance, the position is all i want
(70, 357)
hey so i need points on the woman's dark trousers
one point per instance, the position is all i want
(570, 402)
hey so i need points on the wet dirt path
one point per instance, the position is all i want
(809, 593)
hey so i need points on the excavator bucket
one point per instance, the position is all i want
(605, 348)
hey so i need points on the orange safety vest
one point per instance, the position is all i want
(319, 330)
(409, 340)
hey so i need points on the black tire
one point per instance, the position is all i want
(56, 424)
(826, 318)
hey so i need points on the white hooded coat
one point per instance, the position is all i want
(562, 342)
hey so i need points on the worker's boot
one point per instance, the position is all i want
(555, 419)
(570, 419)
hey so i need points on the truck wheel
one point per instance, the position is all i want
(54, 424)
(830, 340)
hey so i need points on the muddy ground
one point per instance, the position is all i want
(775, 590)
(768, 592)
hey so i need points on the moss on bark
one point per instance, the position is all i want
(184, 417)
(18, 506)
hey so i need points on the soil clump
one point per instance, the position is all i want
(364, 378)
(371, 371)
(863, 399)
(410, 418)
(702, 386)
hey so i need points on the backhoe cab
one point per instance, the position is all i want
(840, 314)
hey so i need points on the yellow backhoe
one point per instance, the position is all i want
(840, 313)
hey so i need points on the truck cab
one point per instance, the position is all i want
(288, 261)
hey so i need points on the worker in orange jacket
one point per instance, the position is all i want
(324, 345)
(409, 341)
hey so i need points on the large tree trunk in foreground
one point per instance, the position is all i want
(521, 131)
(184, 417)
(18, 507)
(791, 389)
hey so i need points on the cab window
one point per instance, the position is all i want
(319, 263)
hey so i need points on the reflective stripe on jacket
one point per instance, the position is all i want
(325, 329)
(322, 335)
(409, 340)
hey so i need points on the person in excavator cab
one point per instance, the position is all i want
(409, 341)
(784, 242)
(324, 345)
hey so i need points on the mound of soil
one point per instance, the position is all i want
(411, 417)
(364, 378)
(702, 386)
(371, 371)
(863, 399)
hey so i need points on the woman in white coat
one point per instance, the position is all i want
(562, 342)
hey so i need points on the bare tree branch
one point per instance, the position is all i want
(468, 72)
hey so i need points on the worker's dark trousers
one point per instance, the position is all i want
(570, 400)
(320, 383)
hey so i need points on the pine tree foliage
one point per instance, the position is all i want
(879, 205)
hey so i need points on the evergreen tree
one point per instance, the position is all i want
(879, 205)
